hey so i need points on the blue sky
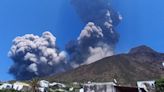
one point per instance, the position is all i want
(143, 23)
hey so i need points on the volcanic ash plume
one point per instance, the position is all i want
(89, 46)
(98, 39)
(36, 56)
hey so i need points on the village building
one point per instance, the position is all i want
(108, 87)
(148, 86)
(6, 86)
(20, 86)
(99, 87)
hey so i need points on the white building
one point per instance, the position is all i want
(148, 86)
(6, 86)
(99, 87)
(81, 90)
(20, 86)
(60, 85)
(44, 84)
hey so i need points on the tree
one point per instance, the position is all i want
(159, 84)
(34, 84)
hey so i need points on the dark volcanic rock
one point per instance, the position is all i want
(143, 49)
(147, 54)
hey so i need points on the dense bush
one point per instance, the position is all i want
(159, 85)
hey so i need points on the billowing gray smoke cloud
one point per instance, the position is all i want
(98, 39)
(36, 56)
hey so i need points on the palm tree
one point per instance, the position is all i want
(34, 84)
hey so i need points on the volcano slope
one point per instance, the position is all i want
(141, 63)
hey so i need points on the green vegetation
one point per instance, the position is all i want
(160, 85)
(9, 90)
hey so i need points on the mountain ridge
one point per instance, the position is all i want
(137, 65)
